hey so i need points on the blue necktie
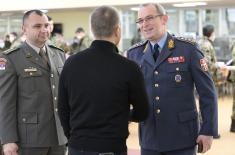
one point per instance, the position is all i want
(156, 52)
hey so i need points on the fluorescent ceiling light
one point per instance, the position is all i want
(135, 8)
(193, 4)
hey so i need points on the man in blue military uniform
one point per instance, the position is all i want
(172, 68)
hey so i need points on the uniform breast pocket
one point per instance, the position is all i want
(28, 80)
(177, 76)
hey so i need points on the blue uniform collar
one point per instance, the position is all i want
(161, 42)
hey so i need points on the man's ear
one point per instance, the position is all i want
(117, 34)
(117, 31)
(23, 29)
(164, 19)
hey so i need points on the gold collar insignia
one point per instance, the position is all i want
(171, 44)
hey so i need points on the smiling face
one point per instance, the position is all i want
(153, 23)
(36, 29)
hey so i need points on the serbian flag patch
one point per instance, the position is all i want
(204, 65)
(3, 63)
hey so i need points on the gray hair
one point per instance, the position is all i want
(160, 9)
(104, 20)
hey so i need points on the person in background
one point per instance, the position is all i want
(13, 37)
(97, 88)
(29, 77)
(231, 78)
(136, 38)
(51, 24)
(18, 41)
(172, 68)
(81, 40)
(206, 46)
(7, 42)
(57, 39)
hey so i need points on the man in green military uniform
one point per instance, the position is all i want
(29, 77)
(206, 46)
(81, 41)
(231, 78)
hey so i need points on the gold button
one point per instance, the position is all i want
(55, 98)
(31, 73)
(157, 98)
(158, 111)
(52, 75)
(156, 85)
(56, 109)
(24, 119)
(177, 69)
(53, 86)
(156, 72)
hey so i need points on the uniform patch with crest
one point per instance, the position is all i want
(3, 63)
(204, 65)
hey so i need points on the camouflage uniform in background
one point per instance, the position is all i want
(58, 41)
(81, 45)
(231, 78)
(208, 50)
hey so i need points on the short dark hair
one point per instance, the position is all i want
(79, 30)
(208, 30)
(28, 13)
(104, 20)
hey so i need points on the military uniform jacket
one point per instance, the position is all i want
(172, 122)
(28, 97)
(209, 52)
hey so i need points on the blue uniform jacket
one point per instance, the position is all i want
(172, 122)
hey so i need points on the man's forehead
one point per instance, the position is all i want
(34, 15)
(147, 11)
(34, 18)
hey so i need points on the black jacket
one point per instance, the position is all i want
(97, 87)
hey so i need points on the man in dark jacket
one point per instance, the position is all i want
(96, 89)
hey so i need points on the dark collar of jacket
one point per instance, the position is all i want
(104, 46)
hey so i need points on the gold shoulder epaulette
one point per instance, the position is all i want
(142, 43)
(53, 46)
(188, 40)
(11, 50)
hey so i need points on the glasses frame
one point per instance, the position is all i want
(148, 19)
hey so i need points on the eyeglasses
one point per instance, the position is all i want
(147, 19)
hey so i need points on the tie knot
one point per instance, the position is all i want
(41, 51)
(44, 56)
(156, 51)
(156, 46)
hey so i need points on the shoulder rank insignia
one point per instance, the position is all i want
(142, 43)
(10, 50)
(171, 44)
(188, 40)
(53, 46)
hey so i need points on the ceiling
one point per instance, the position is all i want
(18, 5)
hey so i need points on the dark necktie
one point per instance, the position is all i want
(44, 57)
(156, 52)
